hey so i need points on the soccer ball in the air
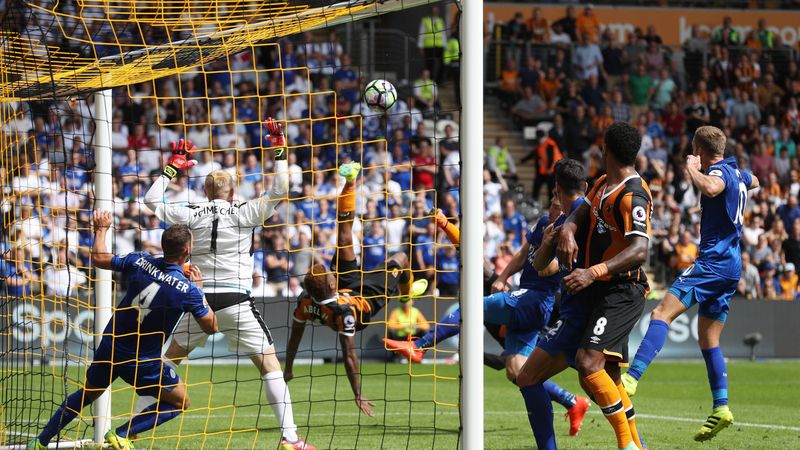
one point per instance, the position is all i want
(380, 95)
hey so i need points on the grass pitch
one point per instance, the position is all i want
(672, 402)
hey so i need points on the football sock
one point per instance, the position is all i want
(152, 416)
(346, 203)
(559, 394)
(448, 326)
(406, 280)
(717, 375)
(281, 403)
(452, 233)
(652, 343)
(540, 415)
(142, 403)
(607, 397)
(630, 414)
(63, 416)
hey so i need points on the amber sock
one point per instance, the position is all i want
(346, 204)
(406, 280)
(608, 398)
(630, 414)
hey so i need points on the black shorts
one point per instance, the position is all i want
(615, 309)
(373, 286)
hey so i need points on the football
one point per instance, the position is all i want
(380, 95)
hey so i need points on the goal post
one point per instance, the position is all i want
(472, 224)
(103, 289)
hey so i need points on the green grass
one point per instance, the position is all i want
(672, 402)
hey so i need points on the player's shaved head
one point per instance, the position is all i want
(570, 176)
(219, 185)
(711, 140)
(623, 142)
(175, 242)
(320, 283)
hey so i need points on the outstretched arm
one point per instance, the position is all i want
(354, 373)
(255, 212)
(100, 254)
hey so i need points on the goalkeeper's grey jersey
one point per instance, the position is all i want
(222, 235)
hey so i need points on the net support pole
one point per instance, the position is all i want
(103, 202)
(471, 138)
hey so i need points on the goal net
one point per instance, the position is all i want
(212, 72)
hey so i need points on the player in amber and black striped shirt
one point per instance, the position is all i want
(616, 217)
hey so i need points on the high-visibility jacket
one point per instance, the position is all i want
(452, 52)
(409, 320)
(432, 28)
(500, 156)
(547, 155)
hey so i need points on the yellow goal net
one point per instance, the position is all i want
(212, 71)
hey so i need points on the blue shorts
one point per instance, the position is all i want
(697, 284)
(524, 312)
(147, 377)
(564, 336)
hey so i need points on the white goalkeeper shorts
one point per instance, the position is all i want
(242, 325)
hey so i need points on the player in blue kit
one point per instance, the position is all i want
(158, 294)
(713, 278)
(524, 312)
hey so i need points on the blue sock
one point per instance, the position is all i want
(150, 417)
(63, 416)
(448, 326)
(652, 343)
(540, 415)
(717, 375)
(559, 394)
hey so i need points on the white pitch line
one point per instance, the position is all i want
(196, 417)
(496, 413)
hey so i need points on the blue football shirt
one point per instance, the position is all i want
(158, 294)
(721, 221)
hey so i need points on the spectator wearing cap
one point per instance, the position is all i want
(788, 282)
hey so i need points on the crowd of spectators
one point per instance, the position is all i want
(411, 164)
(578, 80)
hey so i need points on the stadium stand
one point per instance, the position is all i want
(554, 97)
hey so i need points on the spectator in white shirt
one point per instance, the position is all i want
(587, 59)
(62, 278)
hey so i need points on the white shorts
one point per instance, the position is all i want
(241, 324)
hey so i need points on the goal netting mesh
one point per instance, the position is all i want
(213, 71)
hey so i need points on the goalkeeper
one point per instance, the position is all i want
(357, 299)
(223, 235)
